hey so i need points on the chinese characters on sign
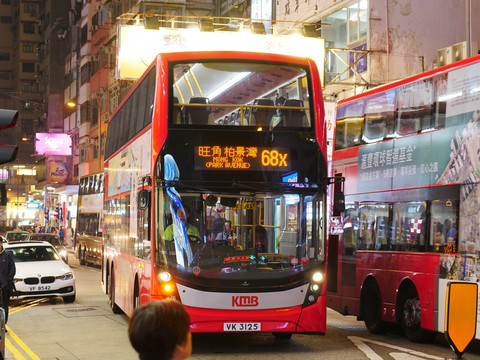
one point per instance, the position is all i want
(240, 158)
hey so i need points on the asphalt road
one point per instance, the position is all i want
(87, 329)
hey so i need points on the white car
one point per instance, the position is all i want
(40, 271)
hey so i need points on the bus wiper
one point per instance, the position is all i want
(181, 185)
(239, 184)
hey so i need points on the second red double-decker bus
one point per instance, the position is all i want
(215, 188)
(409, 153)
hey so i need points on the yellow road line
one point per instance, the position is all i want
(24, 347)
(26, 306)
(13, 350)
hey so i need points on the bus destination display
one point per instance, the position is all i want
(215, 157)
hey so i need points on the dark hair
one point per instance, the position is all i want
(156, 328)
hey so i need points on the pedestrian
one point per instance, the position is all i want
(7, 272)
(160, 330)
(61, 234)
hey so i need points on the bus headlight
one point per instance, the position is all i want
(317, 277)
(165, 276)
(314, 288)
(166, 284)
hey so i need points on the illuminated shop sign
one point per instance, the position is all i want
(241, 158)
(33, 205)
(53, 144)
(137, 46)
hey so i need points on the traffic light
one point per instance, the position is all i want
(8, 118)
(56, 214)
(3, 194)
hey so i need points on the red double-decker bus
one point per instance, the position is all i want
(215, 189)
(409, 154)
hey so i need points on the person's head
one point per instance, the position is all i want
(183, 217)
(160, 330)
(228, 226)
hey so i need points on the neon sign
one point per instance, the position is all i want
(217, 157)
(53, 144)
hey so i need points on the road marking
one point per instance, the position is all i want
(406, 354)
(403, 356)
(27, 305)
(13, 350)
(20, 343)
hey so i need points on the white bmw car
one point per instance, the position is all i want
(40, 271)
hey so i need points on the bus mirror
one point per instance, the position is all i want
(339, 200)
(211, 200)
(143, 199)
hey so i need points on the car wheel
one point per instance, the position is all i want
(410, 317)
(371, 309)
(111, 291)
(69, 299)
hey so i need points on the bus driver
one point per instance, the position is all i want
(192, 231)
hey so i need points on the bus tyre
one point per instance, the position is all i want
(111, 292)
(371, 309)
(282, 335)
(81, 256)
(410, 317)
(136, 296)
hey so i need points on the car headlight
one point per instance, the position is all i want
(66, 276)
(63, 253)
(17, 280)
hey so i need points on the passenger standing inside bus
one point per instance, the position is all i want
(192, 231)
(160, 330)
(7, 273)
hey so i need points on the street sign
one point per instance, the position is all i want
(461, 315)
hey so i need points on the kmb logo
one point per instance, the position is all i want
(242, 301)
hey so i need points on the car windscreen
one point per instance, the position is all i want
(17, 236)
(33, 253)
(52, 239)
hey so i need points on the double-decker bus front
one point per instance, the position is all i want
(236, 193)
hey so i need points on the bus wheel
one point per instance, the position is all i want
(282, 335)
(111, 292)
(371, 309)
(136, 296)
(410, 317)
(81, 257)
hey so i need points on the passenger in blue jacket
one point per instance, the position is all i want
(7, 272)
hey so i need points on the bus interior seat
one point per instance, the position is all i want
(261, 116)
(199, 115)
(235, 118)
(294, 116)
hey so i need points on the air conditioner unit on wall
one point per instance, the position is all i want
(455, 53)
(444, 56)
(459, 51)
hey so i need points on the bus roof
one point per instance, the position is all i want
(411, 79)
